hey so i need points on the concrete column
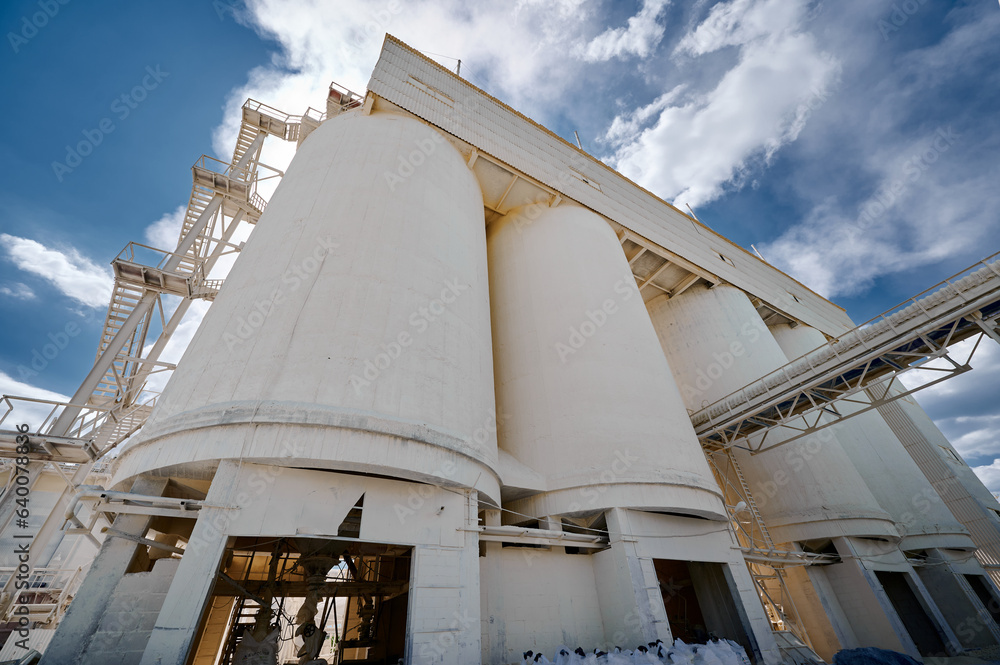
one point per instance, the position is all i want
(856, 586)
(494, 627)
(631, 600)
(444, 601)
(818, 617)
(69, 644)
(179, 619)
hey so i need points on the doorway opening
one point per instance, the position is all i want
(342, 600)
(983, 589)
(918, 625)
(701, 602)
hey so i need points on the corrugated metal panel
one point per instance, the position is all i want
(421, 86)
(966, 509)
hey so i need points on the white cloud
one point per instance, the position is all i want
(837, 252)
(514, 50)
(640, 38)
(739, 22)
(701, 142)
(164, 232)
(178, 343)
(17, 291)
(31, 413)
(913, 155)
(990, 475)
(75, 275)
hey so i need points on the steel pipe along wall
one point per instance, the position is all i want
(354, 329)
(716, 343)
(891, 474)
(588, 400)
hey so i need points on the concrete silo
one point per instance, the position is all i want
(353, 336)
(443, 409)
(595, 424)
(930, 534)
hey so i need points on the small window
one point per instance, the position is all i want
(584, 179)
(951, 454)
(726, 259)
(432, 91)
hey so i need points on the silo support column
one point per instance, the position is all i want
(69, 644)
(860, 593)
(176, 626)
(967, 617)
(444, 601)
(631, 601)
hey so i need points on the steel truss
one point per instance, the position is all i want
(861, 367)
(113, 402)
(765, 562)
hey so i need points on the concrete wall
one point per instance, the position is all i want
(538, 599)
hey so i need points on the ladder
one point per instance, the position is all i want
(242, 619)
(757, 522)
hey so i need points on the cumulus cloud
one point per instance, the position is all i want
(164, 232)
(840, 252)
(990, 475)
(700, 142)
(17, 291)
(917, 160)
(72, 273)
(30, 413)
(639, 38)
(512, 50)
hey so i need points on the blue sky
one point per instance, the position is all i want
(854, 142)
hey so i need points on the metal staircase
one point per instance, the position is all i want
(113, 403)
(764, 561)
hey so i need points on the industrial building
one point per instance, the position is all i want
(467, 391)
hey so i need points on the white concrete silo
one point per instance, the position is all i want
(890, 473)
(359, 307)
(352, 336)
(716, 343)
(588, 399)
(928, 528)
(593, 426)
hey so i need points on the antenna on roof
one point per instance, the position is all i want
(458, 68)
(692, 211)
(578, 144)
(757, 253)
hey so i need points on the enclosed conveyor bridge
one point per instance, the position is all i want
(861, 366)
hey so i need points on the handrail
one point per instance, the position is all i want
(254, 105)
(228, 169)
(98, 416)
(909, 311)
